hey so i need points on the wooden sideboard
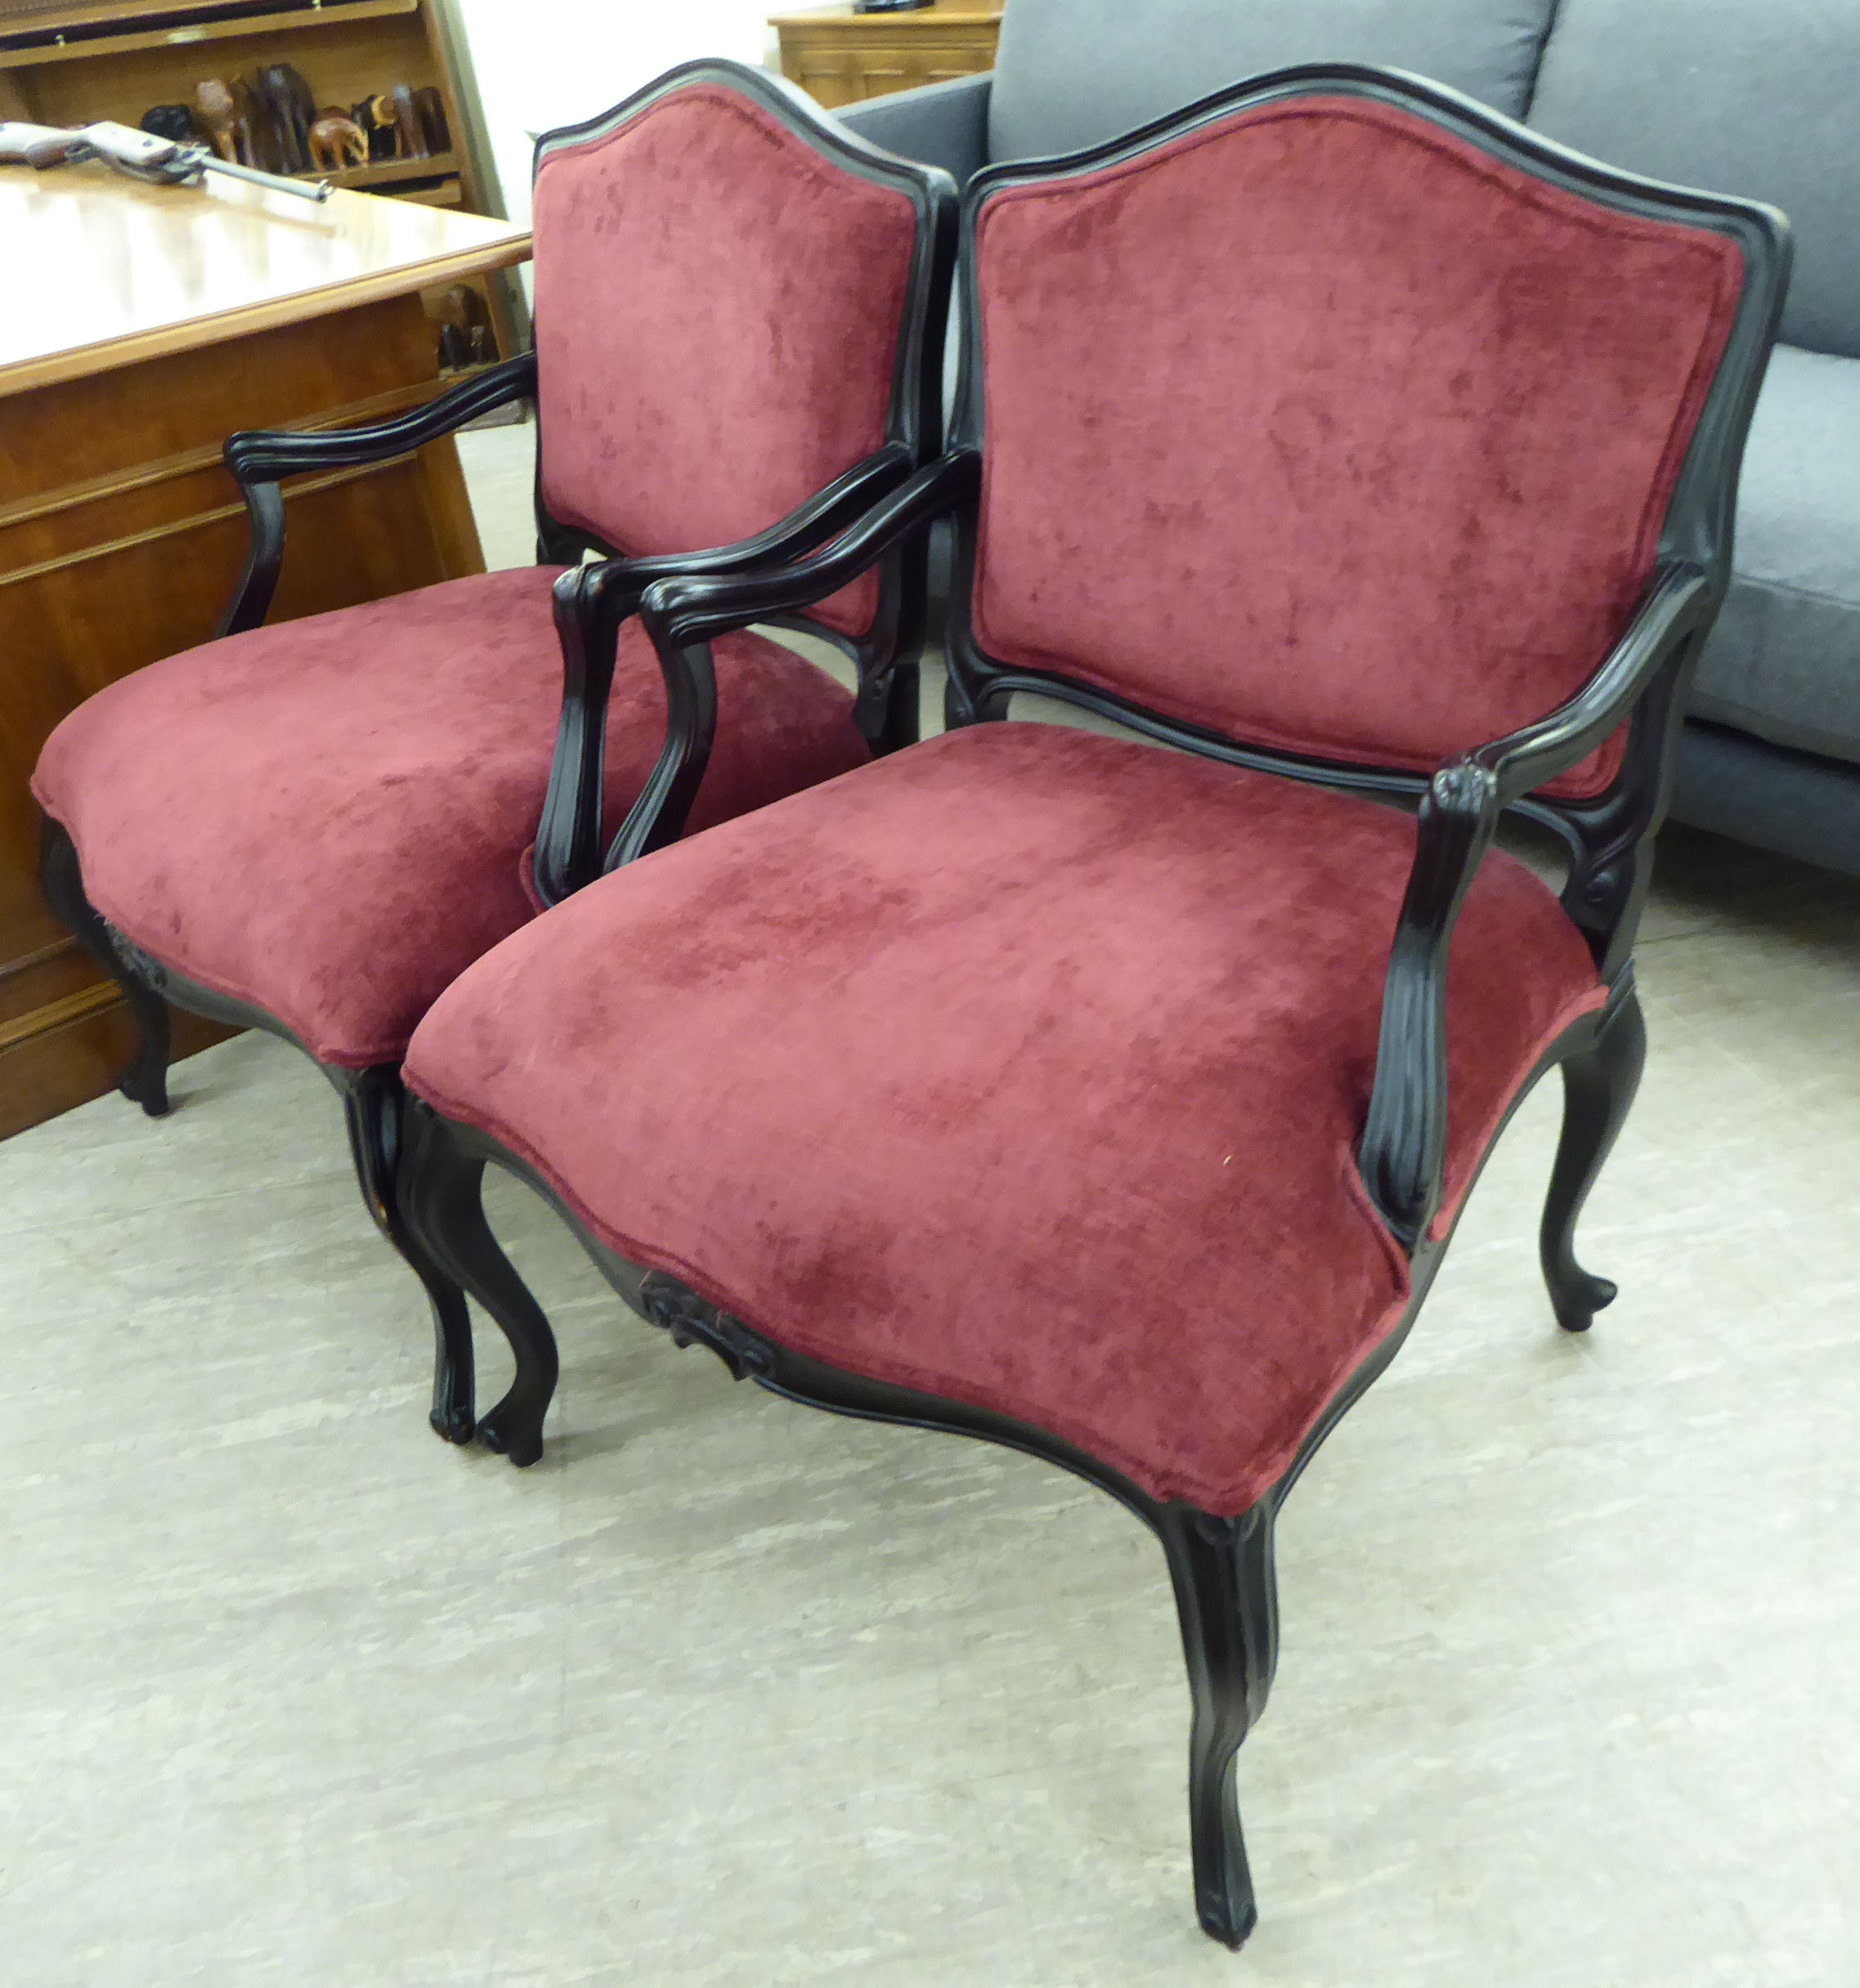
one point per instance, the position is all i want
(840, 57)
(145, 323)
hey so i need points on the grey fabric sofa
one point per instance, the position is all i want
(1745, 96)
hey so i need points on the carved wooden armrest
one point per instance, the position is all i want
(683, 616)
(260, 457)
(593, 601)
(1402, 1156)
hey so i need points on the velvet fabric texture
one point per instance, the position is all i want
(326, 818)
(1026, 1067)
(718, 309)
(1322, 428)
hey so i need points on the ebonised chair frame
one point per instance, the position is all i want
(1223, 1569)
(592, 600)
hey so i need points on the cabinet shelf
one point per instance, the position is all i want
(30, 42)
(386, 172)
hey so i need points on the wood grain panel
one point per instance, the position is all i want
(840, 57)
(120, 271)
(121, 538)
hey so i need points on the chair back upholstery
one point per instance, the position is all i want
(1756, 97)
(1338, 416)
(1070, 73)
(732, 300)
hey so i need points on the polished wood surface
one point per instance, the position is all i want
(75, 61)
(121, 533)
(104, 270)
(840, 57)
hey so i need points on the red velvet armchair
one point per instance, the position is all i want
(1119, 1104)
(313, 828)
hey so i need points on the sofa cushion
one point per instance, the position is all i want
(1320, 426)
(1755, 97)
(1073, 73)
(1784, 661)
(325, 819)
(1076, 1037)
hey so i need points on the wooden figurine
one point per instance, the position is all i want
(257, 125)
(464, 327)
(431, 106)
(228, 124)
(380, 143)
(385, 115)
(290, 110)
(172, 121)
(336, 141)
(407, 123)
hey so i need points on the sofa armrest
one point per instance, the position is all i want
(942, 124)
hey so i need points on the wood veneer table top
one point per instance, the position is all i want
(945, 13)
(102, 270)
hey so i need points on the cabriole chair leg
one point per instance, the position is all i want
(1227, 1598)
(374, 1104)
(1598, 1086)
(440, 1196)
(145, 1081)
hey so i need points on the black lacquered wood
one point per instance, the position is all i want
(1599, 1083)
(373, 1102)
(145, 1082)
(682, 616)
(593, 603)
(260, 457)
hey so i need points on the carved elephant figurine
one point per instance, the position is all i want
(228, 124)
(337, 141)
(395, 110)
(290, 110)
(380, 143)
(384, 119)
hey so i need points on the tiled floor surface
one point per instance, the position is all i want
(727, 1692)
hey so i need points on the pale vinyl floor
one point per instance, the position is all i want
(725, 1691)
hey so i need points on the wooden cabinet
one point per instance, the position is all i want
(160, 319)
(840, 57)
(68, 62)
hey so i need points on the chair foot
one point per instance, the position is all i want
(145, 1082)
(1226, 1595)
(1598, 1086)
(454, 1424)
(148, 1086)
(373, 1102)
(439, 1188)
(512, 1431)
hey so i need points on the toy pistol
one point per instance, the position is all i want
(139, 154)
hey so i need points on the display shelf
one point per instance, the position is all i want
(383, 176)
(33, 44)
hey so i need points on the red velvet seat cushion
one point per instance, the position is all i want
(326, 818)
(1025, 1066)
